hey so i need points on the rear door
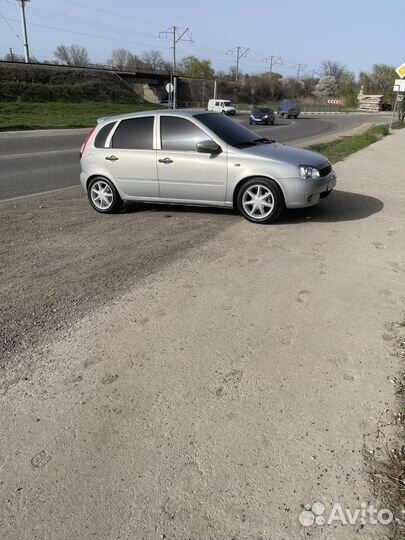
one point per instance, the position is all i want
(131, 157)
(184, 173)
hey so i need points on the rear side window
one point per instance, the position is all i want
(134, 134)
(101, 137)
(180, 134)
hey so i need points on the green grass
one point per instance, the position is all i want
(342, 148)
(60, 115)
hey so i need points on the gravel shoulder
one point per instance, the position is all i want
(197, 376)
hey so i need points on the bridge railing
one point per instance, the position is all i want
(143, 70)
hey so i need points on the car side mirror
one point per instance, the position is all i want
(208, 147)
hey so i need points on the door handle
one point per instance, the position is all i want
(111, 158)
(166, 160)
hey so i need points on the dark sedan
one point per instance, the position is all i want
(261, 115)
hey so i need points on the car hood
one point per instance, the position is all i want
(286, 154)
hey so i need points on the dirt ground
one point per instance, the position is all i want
(182, 373)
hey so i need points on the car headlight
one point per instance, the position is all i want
(307, 171)
(266, 116)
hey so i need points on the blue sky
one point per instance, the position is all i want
(357, 33)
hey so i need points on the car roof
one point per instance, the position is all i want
(167, 112)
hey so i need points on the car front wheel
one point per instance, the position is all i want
(103, 196)
(260, 200)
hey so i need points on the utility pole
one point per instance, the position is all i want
(300, 68)
(176, 34)
(240, 53)
(24, 25)
(272, 60)
(11, 54)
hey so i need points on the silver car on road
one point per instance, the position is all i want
(197, 157)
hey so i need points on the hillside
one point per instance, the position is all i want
(39, 83)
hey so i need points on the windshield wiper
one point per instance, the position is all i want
(264, 140)
(245, 144)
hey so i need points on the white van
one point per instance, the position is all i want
(224, 106)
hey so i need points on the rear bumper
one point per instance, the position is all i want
(299, 193)
(83, 180)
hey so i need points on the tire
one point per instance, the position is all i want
(250, 122)
(110, 202)
(272, 122)
(269, 193)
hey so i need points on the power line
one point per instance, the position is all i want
(92, 35)
(11, 28)
(240, 52)
(299, 68)
(176, 34)
(272, 60)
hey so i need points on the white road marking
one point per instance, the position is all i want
(34, 154)
(39, 194)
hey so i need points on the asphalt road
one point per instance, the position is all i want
(37, 162)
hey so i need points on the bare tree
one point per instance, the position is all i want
(126, 60)
(154, 60)
(14, 57)
(330, 68)
(72, 55)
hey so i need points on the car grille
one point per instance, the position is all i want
(325, 170)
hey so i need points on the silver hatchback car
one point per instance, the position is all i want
(197, 157)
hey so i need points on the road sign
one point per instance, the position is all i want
(169, 88)
(399, 85)
(401, 71)
(400, 97)
(335, 101)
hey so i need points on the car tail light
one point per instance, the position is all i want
(86, 140)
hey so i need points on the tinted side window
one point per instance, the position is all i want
(180, 134)
(134, 134)
(101, 137)
(226, 129)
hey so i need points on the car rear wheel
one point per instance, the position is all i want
(260, 200)
(103, 196)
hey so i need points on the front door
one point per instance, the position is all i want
(131, 159)
(185, 174)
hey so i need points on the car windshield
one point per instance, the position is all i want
(229, 131)
(262, 110)
(227, 104)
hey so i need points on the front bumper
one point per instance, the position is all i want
(299, 193)
(261, 121)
